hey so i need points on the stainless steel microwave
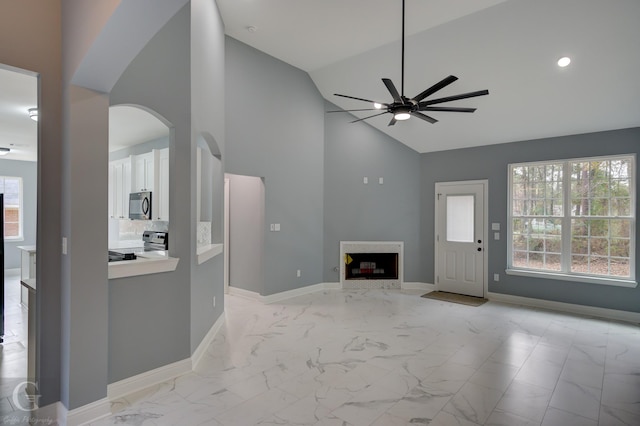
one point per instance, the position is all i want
(140, 205)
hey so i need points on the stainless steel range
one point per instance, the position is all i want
(151, 241)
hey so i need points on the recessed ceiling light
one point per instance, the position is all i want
(252, 29)
(564, 61)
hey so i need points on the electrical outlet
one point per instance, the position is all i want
(64, 245)
(298, 273)
(496, 277)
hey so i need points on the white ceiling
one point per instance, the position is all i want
(508, 47)
(128, 125)
(19, 133)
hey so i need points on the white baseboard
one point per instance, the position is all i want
(55, 413)
(144, 380)
(633, 317)
(278, 297)
(197, 355)
(240, 292)
(418, 286)
(88, 413)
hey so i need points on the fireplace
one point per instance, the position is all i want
(371, 264)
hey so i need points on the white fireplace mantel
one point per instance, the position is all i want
(372, 247)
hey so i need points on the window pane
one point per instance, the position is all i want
(11, 187)
(620, 248)
(460, 218)
(599, 188)
(620, 228)
(552, 262)
(621, 207)
(580, 246)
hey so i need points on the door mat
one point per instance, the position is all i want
(455, 298)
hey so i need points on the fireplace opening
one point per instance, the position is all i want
(371, 266)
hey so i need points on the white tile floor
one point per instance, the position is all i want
(376, 357)
(13, 351)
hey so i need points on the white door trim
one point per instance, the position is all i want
(485, 185)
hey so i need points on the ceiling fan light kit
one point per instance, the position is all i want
(402, 108)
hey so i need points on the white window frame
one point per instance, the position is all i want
(20, 236)
(566, 274)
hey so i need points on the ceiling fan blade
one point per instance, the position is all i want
(357, 99)
(371, 116)
(424, 117)
(349, 110)
(392, 89)
(447, 109)
(454, 98)
(393, 121)
(433, 89)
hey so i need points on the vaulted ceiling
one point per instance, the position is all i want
(509, 47)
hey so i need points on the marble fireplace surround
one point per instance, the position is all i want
(372, 247)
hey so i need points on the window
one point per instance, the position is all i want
(11, 187)
(574, 218)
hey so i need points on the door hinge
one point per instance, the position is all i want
(438, 238)
(439, 197)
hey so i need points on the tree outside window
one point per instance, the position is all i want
(574, 217)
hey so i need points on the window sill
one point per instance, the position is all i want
(573, 278)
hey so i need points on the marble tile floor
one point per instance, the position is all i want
(378, 357)
(13, 351)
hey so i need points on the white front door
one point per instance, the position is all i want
(460, 237)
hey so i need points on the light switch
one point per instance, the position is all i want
(273, 227)
(380, 181)
(495, 226)
(365, 180)
(496, 235)
(277, 227)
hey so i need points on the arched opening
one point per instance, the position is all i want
(139, 142)
(210, 192)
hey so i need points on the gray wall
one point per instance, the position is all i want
(491, 162)
(28, 171)
(246, 235)
(149, 316)
(284, 143)
(354, 211)
(207, 120)
(37, 48)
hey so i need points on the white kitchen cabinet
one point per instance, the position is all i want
(160, 200)
(143, 174)
(119, 188)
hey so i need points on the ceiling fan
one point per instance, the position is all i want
(403, 108)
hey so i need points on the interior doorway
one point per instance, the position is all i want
(461, 235)
(19, 187)
(244, 233)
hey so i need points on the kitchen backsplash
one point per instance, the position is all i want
(133, 229)
(204, 234)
